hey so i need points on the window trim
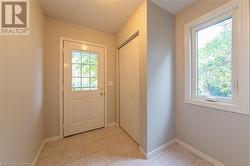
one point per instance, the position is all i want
(194, 58)
(238, 10)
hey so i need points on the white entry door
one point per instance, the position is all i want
(83, 87)
(129, 88)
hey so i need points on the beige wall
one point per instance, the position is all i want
(220, 134)
(138, 21)
(22, 91)
(53, 31)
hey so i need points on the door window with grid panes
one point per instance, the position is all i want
(84, 71)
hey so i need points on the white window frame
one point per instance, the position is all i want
(239, 11)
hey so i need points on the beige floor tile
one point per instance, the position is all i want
(201, 162)
(79, 162)
(111, 147)
(95, 146)
(98, 158)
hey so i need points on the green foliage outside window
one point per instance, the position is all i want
(84, 71)
(214, 75)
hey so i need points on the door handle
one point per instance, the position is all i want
(101, 93)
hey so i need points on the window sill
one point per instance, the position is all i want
(217, 105)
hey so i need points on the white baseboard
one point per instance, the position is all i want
(185, 145)
(46, 140)
(154, 152)
(38, 153)
(52, 139)
(199, 153)
(143, 152)
(112, 124)
(162, 147)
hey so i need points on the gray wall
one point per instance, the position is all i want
(161, 79)
(22, 92)
(222, 135)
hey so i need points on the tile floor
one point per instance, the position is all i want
(111, 147)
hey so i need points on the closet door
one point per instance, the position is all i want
(129, 88)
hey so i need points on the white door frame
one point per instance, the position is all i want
(61, 79)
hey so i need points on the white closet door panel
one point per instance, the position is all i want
(129, 88)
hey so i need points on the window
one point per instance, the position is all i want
(213, 61)
(84, 71)
(216, 53)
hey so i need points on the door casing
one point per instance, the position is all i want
(61, 80)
